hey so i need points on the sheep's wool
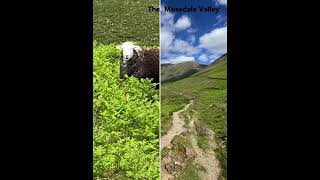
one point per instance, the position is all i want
(144, 63)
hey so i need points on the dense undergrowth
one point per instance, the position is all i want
(126, 121)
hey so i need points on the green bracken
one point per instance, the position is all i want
(126, 121)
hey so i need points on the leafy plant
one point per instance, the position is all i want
(125, 118)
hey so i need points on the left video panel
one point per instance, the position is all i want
(125, 89)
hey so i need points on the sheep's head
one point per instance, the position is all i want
(128, 50)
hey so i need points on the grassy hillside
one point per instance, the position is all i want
(217, 65)
(126, 121)
(173, 72)
(117, 21)
(208, 87)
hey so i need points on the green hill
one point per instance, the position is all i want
(218, 65)
(208, 87)
(174, 72)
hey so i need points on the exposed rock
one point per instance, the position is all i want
(185, 133)
(203, 131)
(169, 167)
(174, 167)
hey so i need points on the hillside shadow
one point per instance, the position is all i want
(215, 78)
(182, 76)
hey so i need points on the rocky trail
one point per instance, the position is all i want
(205, 159)
(176, 128)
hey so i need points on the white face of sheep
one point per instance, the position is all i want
(127, 50)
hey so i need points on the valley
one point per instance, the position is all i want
(198, 145)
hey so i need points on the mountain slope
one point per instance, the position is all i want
(218, 64)
(174, 72)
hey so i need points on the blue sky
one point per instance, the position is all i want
(193, 36)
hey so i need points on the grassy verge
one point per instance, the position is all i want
(191, 171)
(186, 116)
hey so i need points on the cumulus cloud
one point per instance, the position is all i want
(203, 58)
(167, 22)
(178, 59)
(215, 41)
(184, 47)
(182, 23)
(170, 45)
(176, 48)
(166, 41)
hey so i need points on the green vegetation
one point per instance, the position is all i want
(165, 152)
(202, 142)
(117, 21)
(221, 154)
(126, 113)
(186, 116)
(209, 89)
(170, 103)
(180, 143)
(191, 171)
(126, 119)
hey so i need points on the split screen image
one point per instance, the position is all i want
(160, 89)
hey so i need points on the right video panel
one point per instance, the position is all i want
(193, 89)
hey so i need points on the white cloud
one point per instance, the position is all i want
(191, 30)
(166, 40)
(182, 23)
(222, 2)
(170, 45)
(184, 47)
(178, 59)
(215, 41)
(203, 58)
(167, 22)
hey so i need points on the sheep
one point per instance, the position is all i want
(139, 62)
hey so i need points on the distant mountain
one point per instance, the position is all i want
(174, 72)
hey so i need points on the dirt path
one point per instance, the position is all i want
(164, 174)
(206, 160)
(176, 128)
